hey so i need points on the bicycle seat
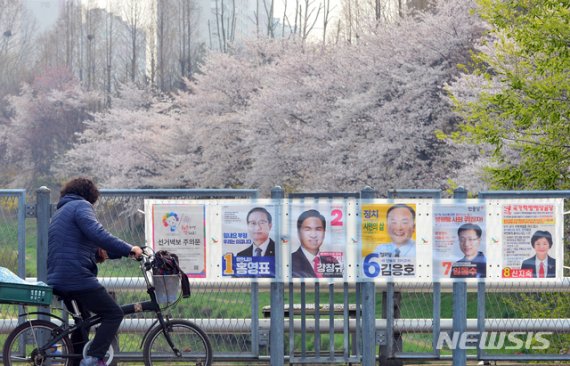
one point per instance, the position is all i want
(70, 304)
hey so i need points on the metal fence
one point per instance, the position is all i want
(300, 322)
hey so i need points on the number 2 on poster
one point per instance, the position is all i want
(337, 217)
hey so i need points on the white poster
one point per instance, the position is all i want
(248, 240)
(318, 240)
(179, 229)
(459, 240)
(530, 243)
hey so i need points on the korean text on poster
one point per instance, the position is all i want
(318, 240)
(248, 245)
(179, 228)
(529, 242)
(388, 240)
(459, 240)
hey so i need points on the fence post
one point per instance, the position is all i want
(459, 302)
(276, 329)
(390, 312)
(43, 213)
(368, 307)
(22, 234)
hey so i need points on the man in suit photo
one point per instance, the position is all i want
(401, 224)
(541, 264)
(474, 263)
(258, 227)
(307, 260)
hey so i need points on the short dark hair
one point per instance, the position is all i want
(310, 213)
(259, 209)
(83, 187)
(466, 227)
(539, 235)
(401, 205)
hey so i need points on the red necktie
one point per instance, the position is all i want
(316, 263)
(541, 270)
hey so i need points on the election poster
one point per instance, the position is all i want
(530, 244)
(248, 240)
(459, 240)
(388, 235)
(318, 240)
(180, 229)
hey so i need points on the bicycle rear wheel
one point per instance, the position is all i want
(21, 347)
(191, 341)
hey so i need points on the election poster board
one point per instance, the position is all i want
(459, 239)
(532, 246)
(180, 229)
(318, 240)
(414, 239)
(388, 234)
(249, 246)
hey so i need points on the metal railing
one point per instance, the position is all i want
(304, 322)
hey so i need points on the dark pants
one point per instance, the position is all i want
(99, 302)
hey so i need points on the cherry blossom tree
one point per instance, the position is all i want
(129, 145)
(45, 118)
(217, 150)
(366, 113)
(301, 116)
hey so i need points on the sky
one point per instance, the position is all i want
(45, 12)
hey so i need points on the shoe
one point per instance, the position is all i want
(92, 361)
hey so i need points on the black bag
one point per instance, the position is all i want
(166, 263)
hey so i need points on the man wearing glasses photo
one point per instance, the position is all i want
(258, 228)
(474, 263)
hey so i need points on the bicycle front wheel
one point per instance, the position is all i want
(188, 339)
(22, 344)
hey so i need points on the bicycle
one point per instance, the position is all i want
(41, 342)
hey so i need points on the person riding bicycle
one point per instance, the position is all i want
(76, 243)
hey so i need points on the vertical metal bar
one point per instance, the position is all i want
(331, 321)
(277, 325)
(303, 319)
(356, 340)
(43, 212)
(22, 234)
(346, 316)
(459, 355)
(459, 319)
(291, 322)
(317, 319)
(255, 318)
(368, 308)
(21, 243)
(480, 315)
(368, 323)
(388, 299)
(436, 317)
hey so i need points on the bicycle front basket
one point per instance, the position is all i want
(167, 288)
